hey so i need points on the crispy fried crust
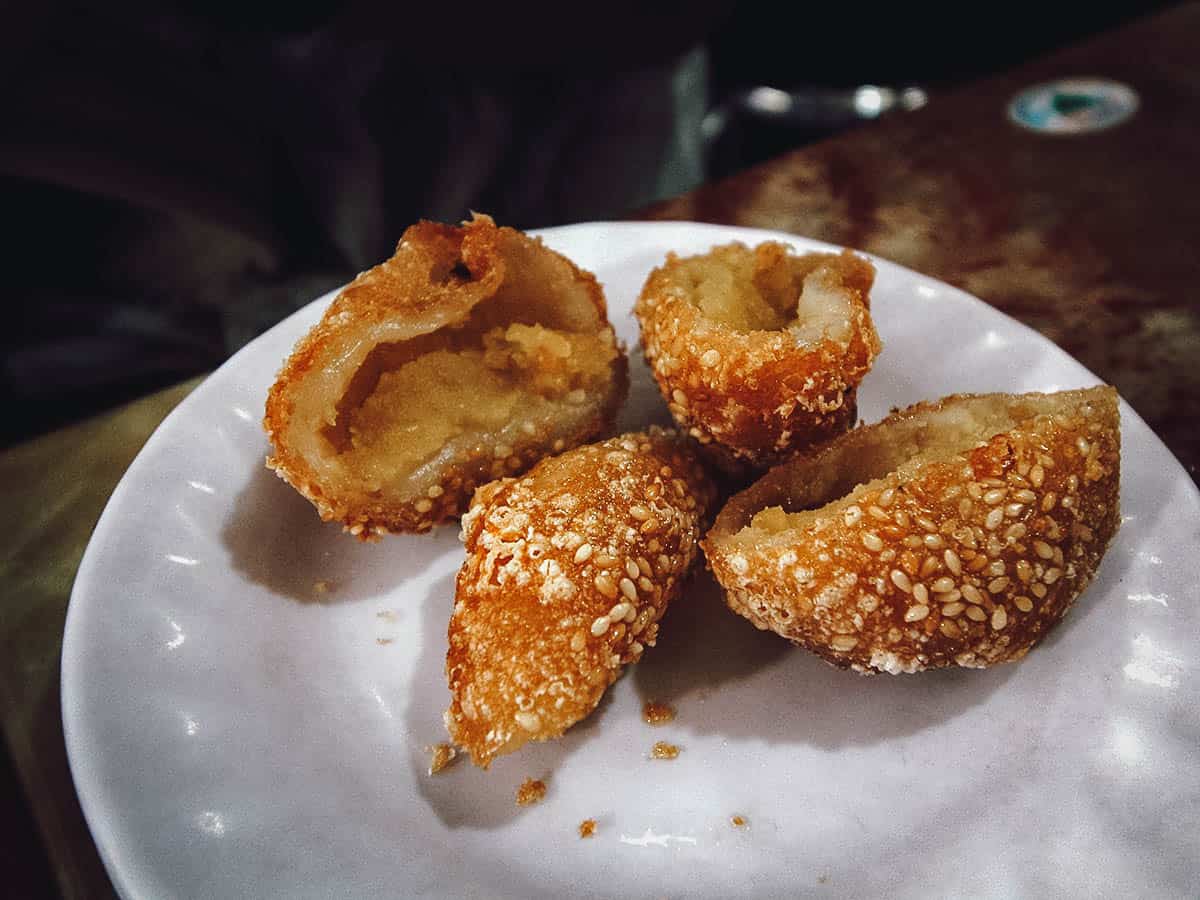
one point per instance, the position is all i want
(442, 282)
(568, 571)
(753, 397)
(981, 520)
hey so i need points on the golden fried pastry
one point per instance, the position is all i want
(951, 533)
(758, 352)
(469, 355)
(568, 571)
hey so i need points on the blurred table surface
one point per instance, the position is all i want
(1088, 239)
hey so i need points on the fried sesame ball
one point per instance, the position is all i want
(956, 532)
(759, 351)
(469, 355)
(568, 571)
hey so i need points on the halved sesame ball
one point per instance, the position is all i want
(568, 571)
(951, 533)
(469, 355)
(758, 352)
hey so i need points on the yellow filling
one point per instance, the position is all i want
(732, 287)
(417, 408)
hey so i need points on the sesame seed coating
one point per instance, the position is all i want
(533, 647)
(445, 302)
(758, 351)
(792, 561)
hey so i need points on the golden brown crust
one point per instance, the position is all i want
(961, 558)
(754, 397)
(568, 571)
(441, 281)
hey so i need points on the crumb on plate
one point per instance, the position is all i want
(587, 828)
(663, 750)
(656, 713)
(531, 791)
(441, 756)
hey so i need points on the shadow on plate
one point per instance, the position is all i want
(773, 691)
(276, 539)
(465, 796)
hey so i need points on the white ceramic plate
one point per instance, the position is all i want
(234, 732)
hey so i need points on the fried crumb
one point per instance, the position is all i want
(531, 791)
(663, 750)
(587, 828)
(442, 756)
(383, 642)
(655, 713)
(320, 587)
(738, 821)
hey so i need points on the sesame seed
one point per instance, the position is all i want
(943, 585)
(1039, 590)
(1015, 531)
(628, 588)
(996, 585)
(1048, 501)
(636, 648)
(528, 721)
(972, 594)
(916, 613)
(996, 568)
(876, 513)
(885, 498)
(965, 507)
(435, 491)
(645, 585)
(1043, 549)
(843, 642)
(583, 553)
(851, 516)
(1025, 496)
(1084, 446)
(423, 505)
(953, 609)
(600, 625)
(901, 580)
(617, 613)
(976, 614)
(649, 526)
(710, 358)
(871, 541)
(949, 629)
(1052, 575)
(994, 496)
(639, 512)
(975, 491)
(631, 568)
(1024, 604)
(578, 641)
(934, 541)
(1014, 509)
(920, 593)
(1024, 570)
(604, 560)
(901, 518)
(950, 597)
(928, 567)
(994, 518)
(643, 565)
(605, 585)
(912, 542)
(679, 397)
(1037, 475)
(664, 563)
(953, 563)
(999, 618)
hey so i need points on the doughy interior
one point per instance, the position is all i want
(488, 386)
(790, 496)
(748, 292)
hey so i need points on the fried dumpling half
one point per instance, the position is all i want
(469, 355)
